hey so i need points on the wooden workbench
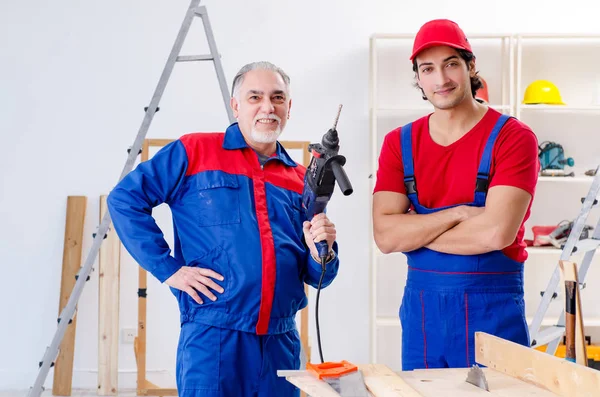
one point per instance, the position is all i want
(451, 382)
(430, 383)
(511, 370)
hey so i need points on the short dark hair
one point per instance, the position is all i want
(467, 56)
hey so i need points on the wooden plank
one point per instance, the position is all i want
(63, 367)
(309, 384)
(139, 345)
(158, 392)
(140, 340)
(569, 273)
(158, 142)
(304, 328)
(383, 382)
(451, 382)
(294, 144)
(150, 389)
(552, 373)
(304, 313)
(108, 310)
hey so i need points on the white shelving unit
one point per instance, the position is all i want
(570, 62)
(508, 63)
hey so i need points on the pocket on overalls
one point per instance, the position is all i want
(218, 261)
(199, 355)
(499, 313)
(218, 199)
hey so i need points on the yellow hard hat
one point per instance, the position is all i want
(542, 91)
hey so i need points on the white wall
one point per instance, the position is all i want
(74, 80)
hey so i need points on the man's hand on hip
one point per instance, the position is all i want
(191, 279)
(320, 228)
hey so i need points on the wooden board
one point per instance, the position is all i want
(451, 382)
(63, 368)
(108, 310)
(383, 382)
(310, 385)
(140, 340)
(544, 370)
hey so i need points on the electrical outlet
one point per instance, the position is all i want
(128, 335)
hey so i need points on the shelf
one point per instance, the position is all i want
(577, 36)
(560, 108)
(583, 246)
(566, 179)
(544, 250)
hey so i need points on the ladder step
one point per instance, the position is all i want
(548, 335)
(588, 244)
(194, 58)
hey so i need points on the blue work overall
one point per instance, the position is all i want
(449, 297)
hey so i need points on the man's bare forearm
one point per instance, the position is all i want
(477, 235)
(493, 229)
(406, 232)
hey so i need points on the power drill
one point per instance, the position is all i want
(324, 169)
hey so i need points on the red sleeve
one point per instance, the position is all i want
(516, 159)
(390, 174)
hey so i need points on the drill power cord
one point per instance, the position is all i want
(323, 268)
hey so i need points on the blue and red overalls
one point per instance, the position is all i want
(449, 297)
(243, 220)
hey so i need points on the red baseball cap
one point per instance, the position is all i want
(440, 32)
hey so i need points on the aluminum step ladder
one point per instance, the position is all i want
(553, 334)
(194, 10)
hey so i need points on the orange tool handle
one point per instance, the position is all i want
(331, 369)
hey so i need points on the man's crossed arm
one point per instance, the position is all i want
(461, 230)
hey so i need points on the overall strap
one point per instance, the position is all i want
(407, 161)
(483, 173)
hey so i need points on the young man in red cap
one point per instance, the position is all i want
(453, 192)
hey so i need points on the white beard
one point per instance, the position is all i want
(266, 137)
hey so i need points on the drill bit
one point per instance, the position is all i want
(337, 117)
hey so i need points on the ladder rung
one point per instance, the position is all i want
(194, 58)
(548, 335)
(588, 244)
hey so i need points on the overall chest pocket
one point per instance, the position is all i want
(294, 216)
(218, 198)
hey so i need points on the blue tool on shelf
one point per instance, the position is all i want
(552, 159)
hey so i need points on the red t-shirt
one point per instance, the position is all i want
(446, 175)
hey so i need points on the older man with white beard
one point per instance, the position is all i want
(243, 248)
